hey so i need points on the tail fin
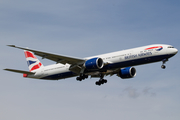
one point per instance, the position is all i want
(33, 63)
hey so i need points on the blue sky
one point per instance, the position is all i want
(81, 29)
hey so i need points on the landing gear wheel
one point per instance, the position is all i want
(101, 81)
(86, 76)
(105, 81)
(98, 83)
(163, 66)
(79, 79)
(82, 77)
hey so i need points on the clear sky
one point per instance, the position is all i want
(84, 28)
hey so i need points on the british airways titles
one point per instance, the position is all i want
(137, 55)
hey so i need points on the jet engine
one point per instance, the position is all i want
(94, 64)
(128, 72)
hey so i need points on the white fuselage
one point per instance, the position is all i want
(114, 60)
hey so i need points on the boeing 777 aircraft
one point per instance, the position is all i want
(116, 63)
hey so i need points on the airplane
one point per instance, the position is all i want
(118, 63)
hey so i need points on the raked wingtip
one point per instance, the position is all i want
(11, 45)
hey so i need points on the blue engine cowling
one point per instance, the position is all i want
(94, 64)
(128, 72)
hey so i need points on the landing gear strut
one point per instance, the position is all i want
(164, 61)
(101, 81)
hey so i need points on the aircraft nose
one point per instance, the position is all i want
(175, 51)
(172, 51)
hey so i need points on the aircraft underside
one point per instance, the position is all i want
(101, 73)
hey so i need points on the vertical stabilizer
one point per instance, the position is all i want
(33, 63)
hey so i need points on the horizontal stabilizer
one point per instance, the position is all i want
(20, 71)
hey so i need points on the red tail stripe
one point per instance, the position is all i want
(36, 67)
(29, 54)
(40, 64)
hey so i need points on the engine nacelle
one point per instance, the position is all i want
(128, 72)
(94, 64)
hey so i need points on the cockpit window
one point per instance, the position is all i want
(170, 47)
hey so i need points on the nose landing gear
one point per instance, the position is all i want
(164, 61)
(163, 66)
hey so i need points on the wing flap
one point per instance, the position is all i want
(20, 71)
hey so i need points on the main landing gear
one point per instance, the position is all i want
(101, 81)
(82, 77)
(164, 61)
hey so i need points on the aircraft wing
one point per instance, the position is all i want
(54, 57)
(20, 71)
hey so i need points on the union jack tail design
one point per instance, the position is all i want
(33, 63)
